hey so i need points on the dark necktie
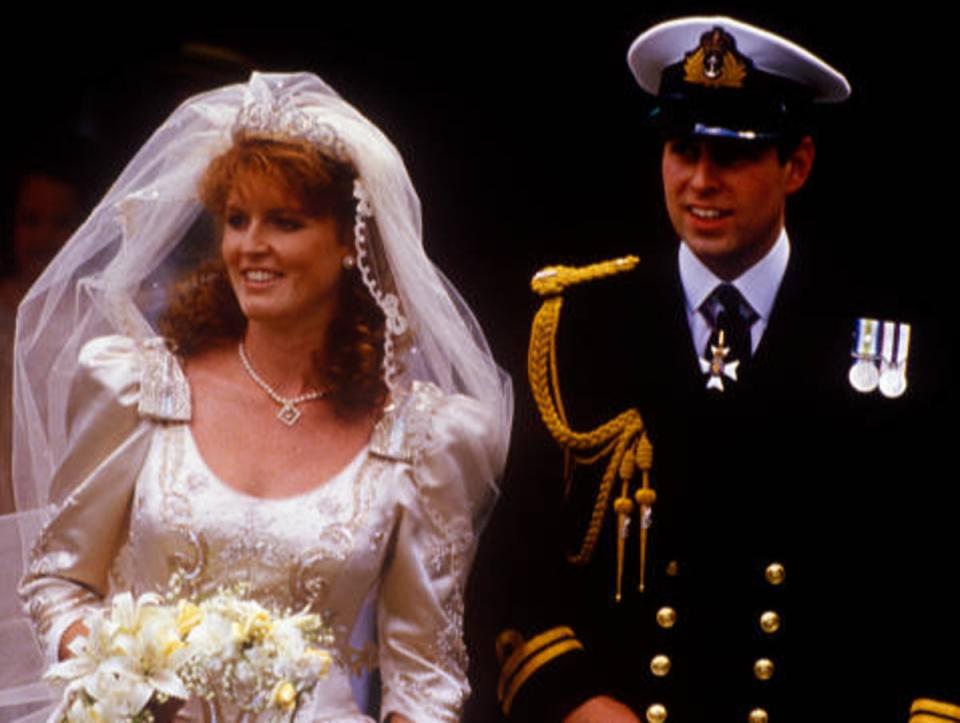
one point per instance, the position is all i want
(728, 312)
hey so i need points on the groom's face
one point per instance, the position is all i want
(726, 198)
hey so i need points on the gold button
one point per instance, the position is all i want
(673, 568)
(775, 573)
(660, 665)
(656, 713)
(666, 617)
(763, 669)
(758, 715)
(769, 622)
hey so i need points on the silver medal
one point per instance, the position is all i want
(893, 364)
(864, 376)
(893, 381)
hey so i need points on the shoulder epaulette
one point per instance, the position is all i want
(552, 280)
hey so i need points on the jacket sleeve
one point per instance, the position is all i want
(540, 666)
(531, 620)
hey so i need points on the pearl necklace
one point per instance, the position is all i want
(288, 414)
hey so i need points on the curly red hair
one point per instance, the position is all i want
(204, 311)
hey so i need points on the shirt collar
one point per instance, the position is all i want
(758, 284)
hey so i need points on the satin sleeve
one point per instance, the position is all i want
(420, 616)
(92, 490)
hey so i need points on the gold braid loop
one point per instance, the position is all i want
(622, 439)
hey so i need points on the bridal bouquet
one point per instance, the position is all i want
(145, 649)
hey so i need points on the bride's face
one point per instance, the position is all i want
(284, 263)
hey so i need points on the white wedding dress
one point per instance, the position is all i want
(139, 504)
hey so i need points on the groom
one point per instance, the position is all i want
(789, 555)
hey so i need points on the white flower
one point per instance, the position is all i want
(118, 688)
(314, 664)
(287, 638)
(127, 614)
(213, 638)
(158, 643)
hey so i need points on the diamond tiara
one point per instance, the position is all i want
(281, 120)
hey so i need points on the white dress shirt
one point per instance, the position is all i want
(759, 286)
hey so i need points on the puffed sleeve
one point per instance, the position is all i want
(451, 487)
(109, 426)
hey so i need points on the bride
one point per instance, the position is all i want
(310, 410)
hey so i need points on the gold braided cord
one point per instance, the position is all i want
(603, 452)
(618, 438)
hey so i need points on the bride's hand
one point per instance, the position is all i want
(75, 630)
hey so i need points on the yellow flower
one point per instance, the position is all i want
(258, 625)
(323, 656)
(284, 695)
(189, 616)
(253, 627)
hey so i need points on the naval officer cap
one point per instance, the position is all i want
(719, 77)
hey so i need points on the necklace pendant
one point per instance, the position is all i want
(288, 414)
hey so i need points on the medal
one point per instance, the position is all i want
(893, 382)
(717, 366)
(864, 375)
(893, 363)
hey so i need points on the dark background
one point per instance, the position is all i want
(523, 128)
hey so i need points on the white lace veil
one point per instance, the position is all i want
(112, 277)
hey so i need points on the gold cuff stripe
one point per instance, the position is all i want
(925, 710)
(534, 664)
(528, 648)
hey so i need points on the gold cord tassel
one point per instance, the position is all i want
(645, 497)
(623, 506)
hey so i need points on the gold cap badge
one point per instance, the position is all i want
(716, 62)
